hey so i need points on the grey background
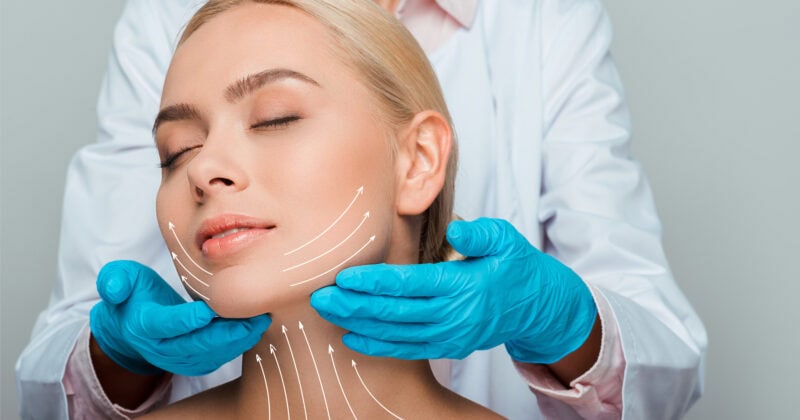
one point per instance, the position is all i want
(713, 87)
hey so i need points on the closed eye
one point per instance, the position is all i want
(275, 123)
(170, 160)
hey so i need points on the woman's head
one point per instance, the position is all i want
(299, 137)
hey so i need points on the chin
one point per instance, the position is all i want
(243, 292)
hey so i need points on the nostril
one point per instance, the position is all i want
(224, 181)
(198, 191)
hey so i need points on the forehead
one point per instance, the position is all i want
(248, 39)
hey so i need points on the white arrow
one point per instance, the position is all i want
(186, 282)
(300, 325)
(302, 397)
(330, 352)
(366, 216)
(283, 384)
(175, 257)
(172, 228)
(371, 239)
(269, 405)
(359, 191)
(370, 393)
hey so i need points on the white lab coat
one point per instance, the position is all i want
(543, 132)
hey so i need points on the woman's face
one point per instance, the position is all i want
(278, 173)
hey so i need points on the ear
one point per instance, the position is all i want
(424, 150)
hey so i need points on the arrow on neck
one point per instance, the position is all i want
(269, 405)
(297, 372)
(324, 398)
(330, 352)
(355, 367)
(283, 384)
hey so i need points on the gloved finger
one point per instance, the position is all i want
(216, 336)
(415, 280)
(392, 331)
(346, 303)
(407, 351)
(201, 362)
(482, 237)
(115, 281)
(160, 321)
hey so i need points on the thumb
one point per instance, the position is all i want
(116, 281)
(479, 238)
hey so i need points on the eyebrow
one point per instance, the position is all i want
(253, 82)
(233, 93)
(177, 112)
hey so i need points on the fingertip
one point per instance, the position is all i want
(348, 277)
(321, 297)
(353, 342)
(203, 313)
(328, 316)
(261, 323)
(370, 278)
(363, 345)
(455, 230)
(458, 236)
(113, 283)
(475, 238)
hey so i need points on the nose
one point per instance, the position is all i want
(216, 170)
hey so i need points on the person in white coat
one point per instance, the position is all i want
(543, 134)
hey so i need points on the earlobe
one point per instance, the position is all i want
(424, 154)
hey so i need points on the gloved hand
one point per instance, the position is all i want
(506, 292)
(146, 327)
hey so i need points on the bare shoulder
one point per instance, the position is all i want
(215, 403)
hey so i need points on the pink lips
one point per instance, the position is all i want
(227, 234)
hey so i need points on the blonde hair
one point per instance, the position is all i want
(395, 69)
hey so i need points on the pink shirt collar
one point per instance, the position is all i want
(463, 11)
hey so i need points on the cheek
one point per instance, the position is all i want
(323, 231)
(168, 208)
(354, 161)
(163, 211)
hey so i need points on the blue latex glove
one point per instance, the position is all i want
(506, 292)
(146, 327)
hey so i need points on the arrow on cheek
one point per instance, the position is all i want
(172, 229)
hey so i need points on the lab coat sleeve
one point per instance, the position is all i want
(599, 214)
(87, 399)
(108, 209)
(597, 393)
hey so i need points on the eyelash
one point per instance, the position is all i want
(276, 123)
(167, 163)
(268, 124)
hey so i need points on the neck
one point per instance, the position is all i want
(301, 365)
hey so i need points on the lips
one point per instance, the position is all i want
(227, 234)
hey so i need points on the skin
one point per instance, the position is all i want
(397, 245)
(128, 389)
(285, 155)
(298, 175)
(575, 364)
